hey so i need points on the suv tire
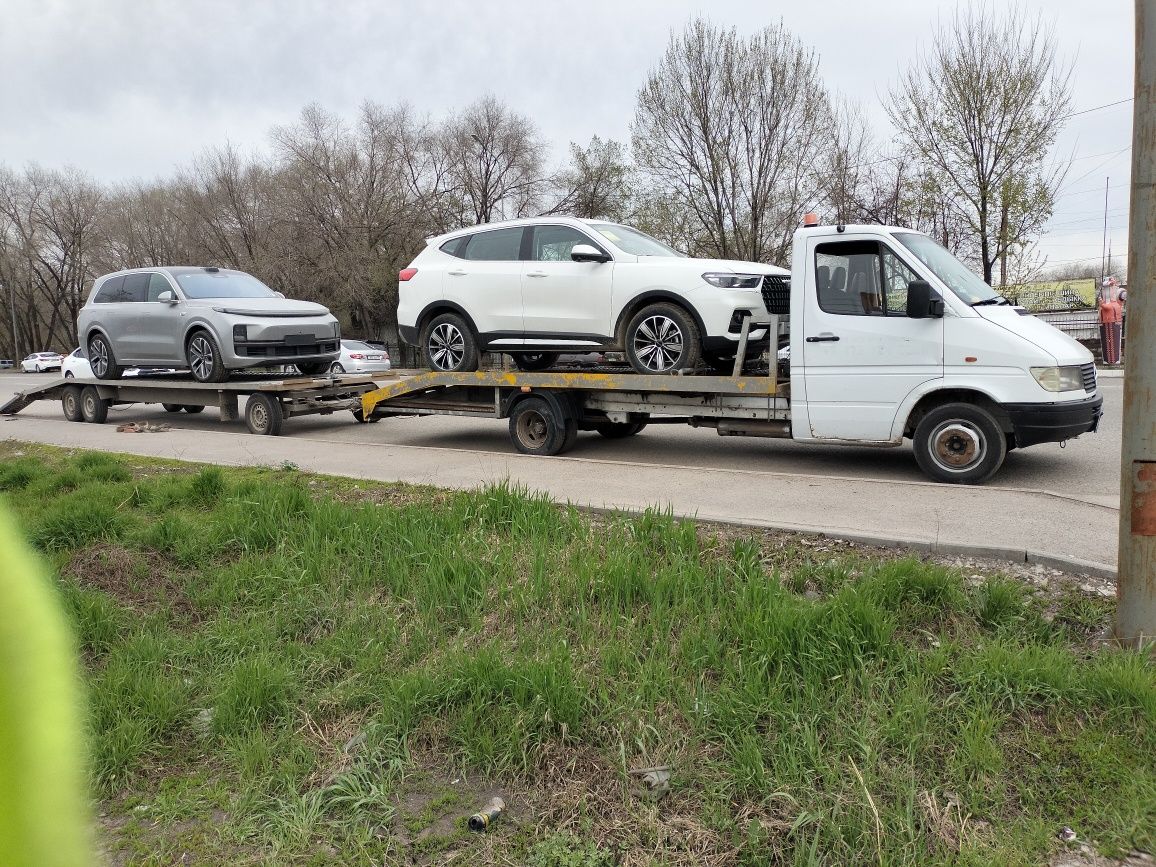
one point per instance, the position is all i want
(101, 359)
(449, 345)
(204, 358)
(662, 338)
(531, 361)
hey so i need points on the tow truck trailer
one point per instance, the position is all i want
(890, 338)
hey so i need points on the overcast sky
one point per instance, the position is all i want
(130, 89)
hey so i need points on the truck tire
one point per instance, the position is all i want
(449, 345)
(101, 359)
(204, 358)
(959, 443)
(531, 361)
(313, 368)
(172, 407)
(616, 430)
(263, 415)
(537, 428)
(93, 408)
(662, 338)
(192, 409)
(70, 403)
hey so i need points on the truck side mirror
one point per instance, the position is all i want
(923, 301)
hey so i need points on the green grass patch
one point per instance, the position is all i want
(283, 668)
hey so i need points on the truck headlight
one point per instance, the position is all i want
(727, 280)
(1059, 378)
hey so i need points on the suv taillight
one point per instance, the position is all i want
(406, 274)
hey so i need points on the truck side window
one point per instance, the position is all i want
(847, 277)
(861, 278)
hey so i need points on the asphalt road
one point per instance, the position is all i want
(1087, 468)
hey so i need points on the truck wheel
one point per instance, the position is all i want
(93, 408)
(616, 430)
(101, 359)
(313, 368)
(70, 403)
(204, 358)
(192, 409)
(662, 338)
(263, 415)
(448, 344)
(172, 407)
(960, 443)
(359, 415)
(531, 361)
(537, 429)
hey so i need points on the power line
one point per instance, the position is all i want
(1097, 108)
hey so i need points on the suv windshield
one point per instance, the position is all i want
(632, 241)
(222, 284)
(960, 279)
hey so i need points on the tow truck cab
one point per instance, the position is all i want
(893, 337)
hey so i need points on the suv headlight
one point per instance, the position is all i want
(727, 280)
(1059, 378)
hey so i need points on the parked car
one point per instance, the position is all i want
(534, 288)
(38, 362)
(211, 321)
(358, 356)
(7, 364)
(76, 365)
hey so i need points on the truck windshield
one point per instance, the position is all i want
(955, 275)
(222, 284)
(634, 242)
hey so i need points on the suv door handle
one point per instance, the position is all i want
(535, 273)
(825, 337)
(457, 272)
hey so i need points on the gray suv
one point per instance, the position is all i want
(209, 320)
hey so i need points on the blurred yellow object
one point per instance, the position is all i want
(43, 803)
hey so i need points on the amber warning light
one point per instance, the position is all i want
(810, 220)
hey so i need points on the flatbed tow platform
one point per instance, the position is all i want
(545, 410)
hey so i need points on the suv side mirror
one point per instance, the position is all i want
(168, 296)
(587, 253)
(923, 301)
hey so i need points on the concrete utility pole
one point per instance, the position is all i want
(1136, 581)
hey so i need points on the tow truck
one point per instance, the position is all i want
(890, 338)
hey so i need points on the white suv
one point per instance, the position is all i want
(537, 287)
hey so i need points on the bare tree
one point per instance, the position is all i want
(735, 132)
(981, 109)
(598, 183)
(495, 161)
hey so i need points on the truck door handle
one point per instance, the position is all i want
(825, 337)
(535, 273)
(456, 273)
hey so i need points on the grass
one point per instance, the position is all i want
(287, 669)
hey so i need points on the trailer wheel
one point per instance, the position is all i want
(616, 430)
(70, 403)
(360, 416)
(93, 407)
(263, 415)
(959, 443)
(192, 409)
(537, 428)
(172, 407)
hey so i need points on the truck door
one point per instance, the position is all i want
(862, 355)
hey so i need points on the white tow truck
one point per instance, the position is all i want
(890, 337)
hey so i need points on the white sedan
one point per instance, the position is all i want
(76, 366)
(38, 362)
(359, 357)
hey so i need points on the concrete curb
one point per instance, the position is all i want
(1070, 565)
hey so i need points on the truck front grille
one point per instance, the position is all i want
(1088, 372)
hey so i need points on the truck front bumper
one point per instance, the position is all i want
(1035, 423)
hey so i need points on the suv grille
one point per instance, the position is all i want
(1088, 372)
(777, 294)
